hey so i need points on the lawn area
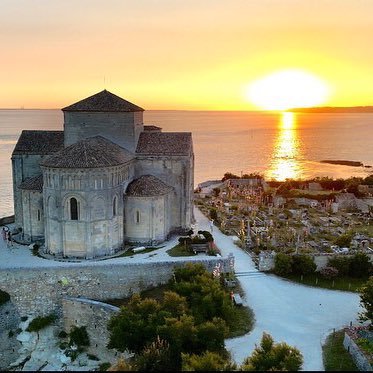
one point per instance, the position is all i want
(339, 283)
(335, 356)
(180, 250)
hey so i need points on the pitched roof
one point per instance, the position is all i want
(39, 142)
(32, 183)
(146, 186)
(164, 143)
(93, 152)
(103, 101)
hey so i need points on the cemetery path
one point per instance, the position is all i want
(299, 315)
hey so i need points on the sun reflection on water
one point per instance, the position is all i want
(284, 162)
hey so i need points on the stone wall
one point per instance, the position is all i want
(39, 290)
(94, 316)
(358, 357)
(122, 128)
(9, 346)
(176, 171)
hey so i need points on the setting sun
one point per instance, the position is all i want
(288, 89)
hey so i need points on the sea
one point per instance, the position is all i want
(277, 145)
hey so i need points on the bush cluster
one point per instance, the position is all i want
(357, 266)
(297, 264)
(41, 322)
(191, 318)
(4, 297)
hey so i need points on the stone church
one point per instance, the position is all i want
(105, 180)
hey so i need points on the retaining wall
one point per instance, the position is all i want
(358, 357)
(39, 290)
(95, 317)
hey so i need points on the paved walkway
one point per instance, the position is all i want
(299, 315)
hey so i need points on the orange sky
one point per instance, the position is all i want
(178, 54)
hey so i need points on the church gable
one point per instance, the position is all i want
(104, 101)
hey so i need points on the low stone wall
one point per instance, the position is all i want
(40, 290)
(358, 357)
(95, 317)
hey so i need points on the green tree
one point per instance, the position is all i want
(213, 214)
(360, 265)
(207, 361)
(341, 263)
(344, 240)
(366, 300)
(136, 325)
(216, 192)
(283, 264)
(273, 356)
(155, 357)
(303, 265)
(229, 175)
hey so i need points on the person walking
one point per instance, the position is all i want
(10, 240)
(3, 233)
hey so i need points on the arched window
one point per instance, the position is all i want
(137, 217)
(115, 206)
(38, 215)
(74, 209)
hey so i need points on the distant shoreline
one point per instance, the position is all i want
(334, 109)
(345, 163)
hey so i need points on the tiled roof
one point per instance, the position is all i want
(103, 101)
(164, 143)
(146, 186)
(89, 153)
(39, 142)
(148, 127)
(33, 183)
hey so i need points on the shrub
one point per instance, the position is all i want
(4, 297)
(270, 356)
(213, 214)
(366, 300)
(207, 361)
(329, 272)
(10, 334)
(360, 265)
(303, 265)
(341, 263)
(155, 357)
(62, 334)
(93, 357)
(41, 322)
(283, 264)
(79, 336)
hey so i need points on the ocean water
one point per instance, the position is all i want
(277, 145)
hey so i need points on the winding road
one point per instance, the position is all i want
(299, 315)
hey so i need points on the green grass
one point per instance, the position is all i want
(180, 250)
(129, 252)
(335, 356)
(339, 283)
(242, 322)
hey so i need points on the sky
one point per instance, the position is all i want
(178, 54)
